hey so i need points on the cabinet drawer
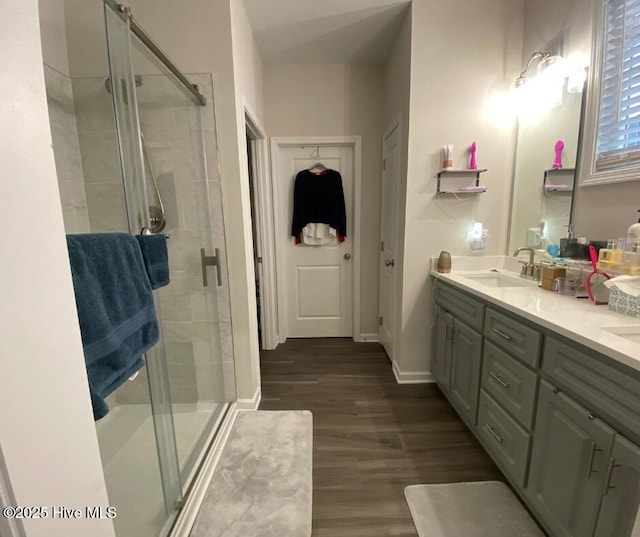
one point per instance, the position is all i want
(461, 305)
(511, 384)
(511, 335)
(608, 389)
(504, 439)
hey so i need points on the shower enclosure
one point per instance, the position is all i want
(135, 146)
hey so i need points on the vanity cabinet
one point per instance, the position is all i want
(466, 361)
(621, 492)
(441, 349)
(568, 464)
(456, 357)
(455, 361)
(558, 418)
(506, 441)
(512, 385)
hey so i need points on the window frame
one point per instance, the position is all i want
(588, 175)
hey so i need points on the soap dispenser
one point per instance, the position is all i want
(633, 235)
(569, 245)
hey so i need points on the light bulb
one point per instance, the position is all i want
(575, 84)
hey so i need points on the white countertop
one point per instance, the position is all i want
(577, 319)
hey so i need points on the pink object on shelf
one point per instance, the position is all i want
(557, 163)
(472, 160)
(479, 188)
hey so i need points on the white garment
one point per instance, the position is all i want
(318, 234)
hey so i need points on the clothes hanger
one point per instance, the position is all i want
(318, 165)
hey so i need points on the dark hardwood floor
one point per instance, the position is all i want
(372, 436)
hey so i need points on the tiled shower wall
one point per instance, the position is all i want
(64, 135)
(196, 320)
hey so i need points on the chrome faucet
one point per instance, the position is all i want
(528, 269)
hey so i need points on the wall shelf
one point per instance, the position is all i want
(558, 189)
(477, 189)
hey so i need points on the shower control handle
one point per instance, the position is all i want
(210, 261)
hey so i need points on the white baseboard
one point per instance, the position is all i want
(250, 404)
(412, 377)
(186, 518)
(368, 338)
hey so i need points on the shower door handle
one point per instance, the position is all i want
(209, 261)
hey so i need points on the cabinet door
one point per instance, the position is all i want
(466, 361)
(441, 349)
(619, 508)
(570, 453)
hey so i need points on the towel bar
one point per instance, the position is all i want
(147, 231)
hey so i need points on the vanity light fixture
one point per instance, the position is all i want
(523, 79)
(533, 95)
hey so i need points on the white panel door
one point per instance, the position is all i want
(318, 280)
(388, 234)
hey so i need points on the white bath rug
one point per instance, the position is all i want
(262, 485)
(480, 509)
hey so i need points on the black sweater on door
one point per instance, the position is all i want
(318, 198)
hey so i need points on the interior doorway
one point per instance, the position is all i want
(257, 246)
(318, 286)
(261, 203)
(389, 233)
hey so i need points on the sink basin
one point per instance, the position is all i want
(632, 333)
(498, 279)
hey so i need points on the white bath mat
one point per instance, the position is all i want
(262, 485)
(480, 509)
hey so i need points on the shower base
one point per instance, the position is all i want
(130, 461)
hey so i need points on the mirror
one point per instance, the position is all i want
(542, 196)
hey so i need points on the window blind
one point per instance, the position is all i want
(618, 133)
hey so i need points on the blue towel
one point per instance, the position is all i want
(156, 259)
(115, 307)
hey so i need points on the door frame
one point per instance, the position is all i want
(264, 211)
(355, 142)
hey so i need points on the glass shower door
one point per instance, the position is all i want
(121, 85)
(166, 136)
(173, 127)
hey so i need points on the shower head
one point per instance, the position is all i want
(107, 82)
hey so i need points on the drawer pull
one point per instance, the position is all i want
(607, 482)
(592, 453)
(502, 334)
(499, 380)
(493, 433)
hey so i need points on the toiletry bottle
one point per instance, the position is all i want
(633, 235)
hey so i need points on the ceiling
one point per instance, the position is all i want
(325, 31)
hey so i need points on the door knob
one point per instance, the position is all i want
(389, 263)
(347, 256)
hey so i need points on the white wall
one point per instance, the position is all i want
(247, 63)
(199, 40)
(48, 434)
(247, 66)
(599, 212)
(338, 100)
(461, 52)
(397, 93)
